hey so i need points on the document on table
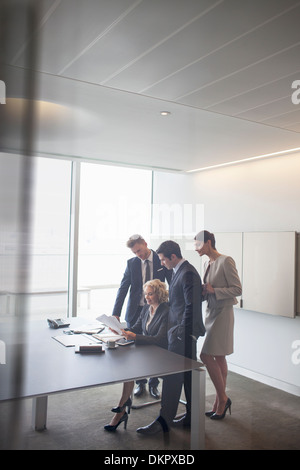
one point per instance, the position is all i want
(111, 322)
(104, 338)
(75, 340)
(89, 329)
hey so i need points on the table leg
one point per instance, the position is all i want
(198, 410)
(39, 413)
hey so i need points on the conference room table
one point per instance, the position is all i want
(36, 366)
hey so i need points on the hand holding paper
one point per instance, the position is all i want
(111, 322)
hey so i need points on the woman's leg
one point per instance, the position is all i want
(217, 369)
(127, 391)
(221, 360)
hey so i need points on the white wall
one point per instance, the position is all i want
(257, 196)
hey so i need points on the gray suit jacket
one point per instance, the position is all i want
(224, 278)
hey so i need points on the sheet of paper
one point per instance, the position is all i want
(90, 329)
(107, 337)
(111, 322)
(75, 340)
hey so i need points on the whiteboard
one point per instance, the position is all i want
(269, 279)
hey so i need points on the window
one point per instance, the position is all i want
(49, 253)
(115, 202)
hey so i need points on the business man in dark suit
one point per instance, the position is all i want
(144, 267)
(184, 327)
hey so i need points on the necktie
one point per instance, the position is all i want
(147, 275)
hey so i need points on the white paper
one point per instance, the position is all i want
(108, 337)
(89, 329)
(111, 322)
(75, 340)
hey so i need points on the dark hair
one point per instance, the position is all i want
(169, 248)
(204, 236)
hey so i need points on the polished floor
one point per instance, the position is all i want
(262, 418)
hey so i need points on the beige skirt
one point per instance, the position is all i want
(219, 324)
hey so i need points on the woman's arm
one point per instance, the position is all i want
(158, 339)
(158, 326)
(234, 287)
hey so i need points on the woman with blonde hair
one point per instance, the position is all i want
(150, 328)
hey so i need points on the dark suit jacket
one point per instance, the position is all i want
(133, 279)
(157, 331)
(185, 316)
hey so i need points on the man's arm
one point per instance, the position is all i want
(190, 324)
(189, 284)
(122, 292)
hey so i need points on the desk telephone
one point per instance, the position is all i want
(58, 323)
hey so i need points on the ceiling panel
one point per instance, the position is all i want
(236, 56)
(143, 27)
(273, 90)
(71, 28)
(285, 120)
(224, 68)
(217, 96)
(176, 66)
(264, 112)
(294, 127)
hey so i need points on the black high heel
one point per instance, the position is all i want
(222, 416)
(209, 413)
(119, 409)
(112, 428)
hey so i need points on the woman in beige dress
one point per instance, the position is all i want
(221, 285)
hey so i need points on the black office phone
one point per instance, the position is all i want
(57, 323)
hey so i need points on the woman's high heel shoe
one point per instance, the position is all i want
(112, 428)
(119, 409)
(227, 406)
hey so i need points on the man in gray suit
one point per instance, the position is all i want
(184, 327)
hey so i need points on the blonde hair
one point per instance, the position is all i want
(134, 239)
(159, 289)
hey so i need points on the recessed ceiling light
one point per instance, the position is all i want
(165, 113)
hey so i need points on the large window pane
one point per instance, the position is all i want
(114, 204)
(49, 254)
